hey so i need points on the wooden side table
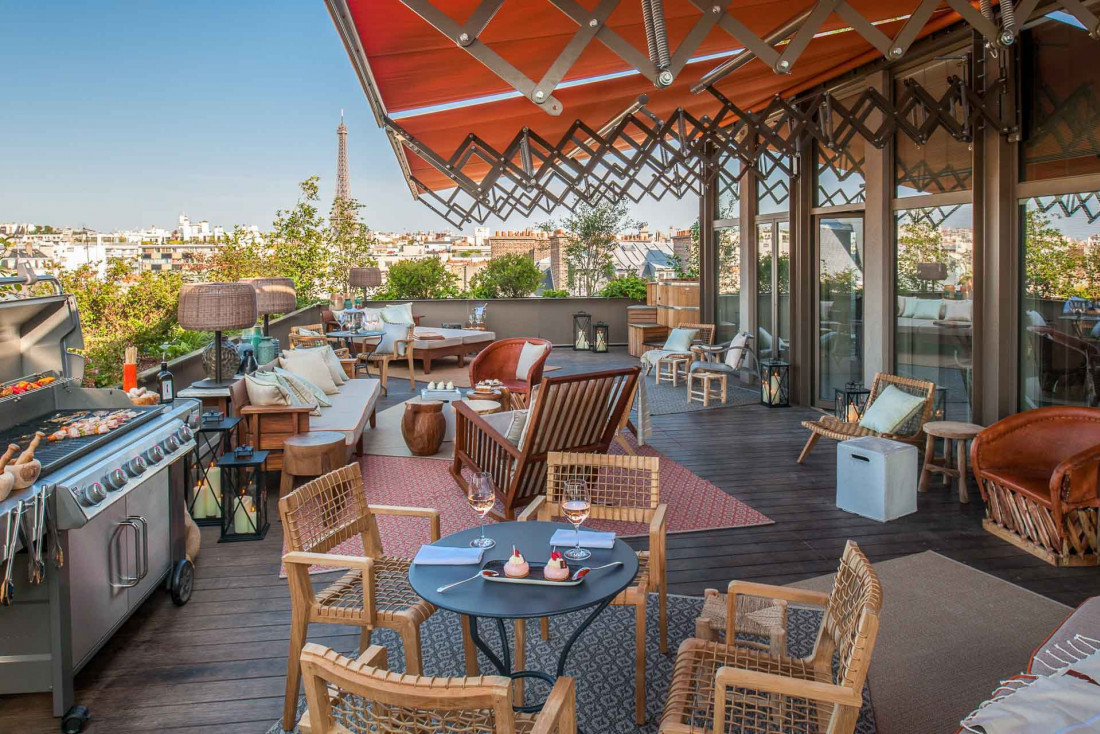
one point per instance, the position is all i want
(423, 426)
(670, 368)
(311, 454)
(950, 431)
(483, 407)
(713, 385)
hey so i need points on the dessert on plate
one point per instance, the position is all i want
(555, 569)
(516, 567)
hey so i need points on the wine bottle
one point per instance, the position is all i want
(165, 382)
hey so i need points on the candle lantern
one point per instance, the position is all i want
(244, 496)
(850, 402)
(939, 404)
(599, 337)
(213, 439)
(775, 389)
(582, 331)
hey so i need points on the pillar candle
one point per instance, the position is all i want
(198, 507)
(214, 477)
(244, 516)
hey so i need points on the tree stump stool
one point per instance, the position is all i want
(311, 455)
(949, 431)
(484, 407)
(423, 426)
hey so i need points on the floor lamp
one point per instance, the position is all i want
(365, 278)
(216, 307)
(273, 296)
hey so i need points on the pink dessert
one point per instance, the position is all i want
(516, 567)
(556, 570)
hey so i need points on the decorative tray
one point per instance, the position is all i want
(444, 395)
(534, 576)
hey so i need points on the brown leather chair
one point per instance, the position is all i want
(498, 362)
(1038, 474)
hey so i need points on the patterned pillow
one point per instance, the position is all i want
(303, 390)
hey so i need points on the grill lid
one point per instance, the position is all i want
(37, 331)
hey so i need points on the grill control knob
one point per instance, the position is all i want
(154, 455)
(115, 480)
(92, 494)
(135, 466)
(171, 444)
(185, 434)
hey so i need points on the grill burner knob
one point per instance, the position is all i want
(154, 455)
(171, 444)
(92, 494)
(115, 480)
(184, 434)
(135, 466)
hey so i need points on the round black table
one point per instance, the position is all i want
(501, 601)
(349, 336)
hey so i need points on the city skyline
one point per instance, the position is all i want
(125, 114)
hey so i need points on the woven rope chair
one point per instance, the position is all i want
(360, 696)
(912, 431)
(762, 692)
(375, 592)
(625, 488)
(305, 341)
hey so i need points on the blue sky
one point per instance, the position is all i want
(123, 114)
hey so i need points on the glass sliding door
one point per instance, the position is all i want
(840, 304)
(773, 288)
(728, 264)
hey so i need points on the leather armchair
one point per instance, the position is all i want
(498, 362)
(1039, 475)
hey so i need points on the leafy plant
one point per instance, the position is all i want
(419, 279)
(507, 276)
(592, 231)
(555, 293)
(629, 286)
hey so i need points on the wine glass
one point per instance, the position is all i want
(576, 504)
(481, 497)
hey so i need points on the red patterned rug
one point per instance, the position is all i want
(693, 502)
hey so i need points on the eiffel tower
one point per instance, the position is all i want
(343, 179)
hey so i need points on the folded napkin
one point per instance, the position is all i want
(589, 539)
(438, 555)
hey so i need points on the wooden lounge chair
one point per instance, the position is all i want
(762, 691)
(626, 488)
(912, 431)
(580, 413)
(360, 696)
(375, 592)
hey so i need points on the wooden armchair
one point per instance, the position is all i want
(498, 361)
(762, 691)
(402, 349)
(361, 696)
(626, 488)
(911, 432)
(580, 413)
(1039, 475)
(375, 592)
(299, 340)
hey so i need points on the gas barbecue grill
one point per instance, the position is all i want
(105, 517)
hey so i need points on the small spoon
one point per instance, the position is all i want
(485, 572)
(582, 572)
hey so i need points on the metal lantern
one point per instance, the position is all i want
(599, 337)
(243, 495)
(939, 404)
(850, 402)
(775, 390)
(582, 331)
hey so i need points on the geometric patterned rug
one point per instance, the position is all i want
(664, 399)
(601, 662)
(693, 503)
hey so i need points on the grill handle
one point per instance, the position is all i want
(124, 581)
(144, 532)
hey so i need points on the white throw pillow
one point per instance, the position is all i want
(958, 311)
(890, 410)
(391, 334)
(310, 364)
(737, 346)
(680, 340)
(930, 309)
(398, 313)
(909, 307)
(509, 423)
(527, 358)
(1034, 318)
(306, 392)
(335, 369)
(302, 331)
(264, 389)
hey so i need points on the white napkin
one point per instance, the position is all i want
(438, 555)
(589, 539)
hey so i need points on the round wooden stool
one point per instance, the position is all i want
(949, 431)
(311, 455)
(423, 426)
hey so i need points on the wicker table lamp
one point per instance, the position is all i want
(273, 295)
(216, 307)
(365, 278)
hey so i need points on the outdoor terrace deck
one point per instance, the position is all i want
(217, 664)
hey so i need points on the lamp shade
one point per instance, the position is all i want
(273, 295)
(365, 277)
(216, 306)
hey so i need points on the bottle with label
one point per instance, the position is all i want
(165, 382)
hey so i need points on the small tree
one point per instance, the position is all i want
(348, 243)
(918, 242)
(419, 279)
(689, 269)
(297, 245)
(591, 231)
(1056, 266)
(629, 286)
(507, 276)
(240, 255)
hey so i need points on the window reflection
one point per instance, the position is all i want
(840, 304)
(1060, 304)
(934, 279)
(729, 281)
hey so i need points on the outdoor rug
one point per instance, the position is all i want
(949, 634)
(664, 399)
(446, 369)
(601, 663)
(693, 503)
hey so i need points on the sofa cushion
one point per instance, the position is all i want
(391, 334)
(529, 354)
(310, 364)
(306, 392)
(735, 353)
(927, 308)
(958, 310)
(264, 389)
(398, 313)
(350, 410)
(1032, 482)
